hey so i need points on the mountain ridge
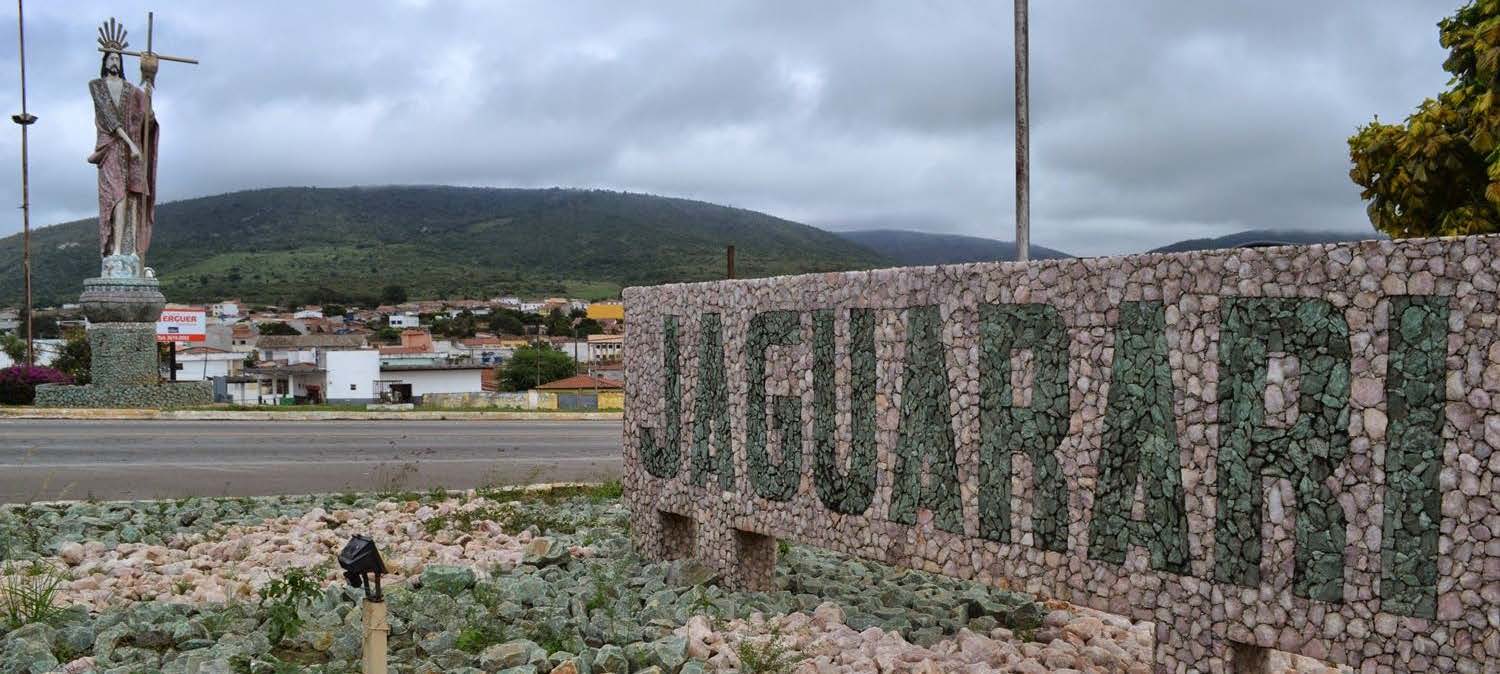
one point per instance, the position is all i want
(288, 245)
(304, 244)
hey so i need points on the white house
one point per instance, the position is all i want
(406, 320)
(201, 363)
(350, 376)
(297, 349)
(533, 307)
(411, 382)
(225, 309)
(10, 320)
(309, 312)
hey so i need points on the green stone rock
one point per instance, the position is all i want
(670, 652)
(509, 654)
(449, 580)
(610, 658)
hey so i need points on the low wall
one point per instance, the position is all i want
(518, 400)
(1289, 448)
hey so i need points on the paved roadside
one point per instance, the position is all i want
(49, 459)
(291, 415)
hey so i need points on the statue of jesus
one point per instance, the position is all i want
(125, 152)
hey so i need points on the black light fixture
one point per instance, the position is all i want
(360, 560)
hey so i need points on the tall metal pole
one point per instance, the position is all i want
(25, 119)
(1023, 138)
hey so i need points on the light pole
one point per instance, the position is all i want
(1023, 137)
(25, 119)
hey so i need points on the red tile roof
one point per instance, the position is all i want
(580, 381)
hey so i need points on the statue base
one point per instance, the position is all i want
(122, 312)
(165, 394)
(124, 299)
(125, 374)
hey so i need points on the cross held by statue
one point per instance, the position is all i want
(150, 28)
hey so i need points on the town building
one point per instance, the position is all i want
(405, 320)
(606, 311)
(582, 392)
(408, 383)
(606, 347)
(225, 309)
(203, 363)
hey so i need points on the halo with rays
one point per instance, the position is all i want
(112, 35)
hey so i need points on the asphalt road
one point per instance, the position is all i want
(48, 459)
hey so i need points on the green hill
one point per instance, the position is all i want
(1268, 237)
(346, 244)
(922, 248)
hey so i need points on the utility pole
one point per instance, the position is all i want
(729, 253)
(25, 119)
(1023, 137)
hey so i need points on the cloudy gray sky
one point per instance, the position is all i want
(1153, 121)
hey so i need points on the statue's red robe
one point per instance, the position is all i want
(120, 176)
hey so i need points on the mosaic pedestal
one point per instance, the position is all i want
(122, 337)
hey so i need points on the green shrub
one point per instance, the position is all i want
(280, 599)
(18, 383)
(769, 656)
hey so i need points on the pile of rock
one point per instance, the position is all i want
(486, 585)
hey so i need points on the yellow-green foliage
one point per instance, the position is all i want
(1438, 174)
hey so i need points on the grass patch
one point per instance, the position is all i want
(28, 593)
(766, 656)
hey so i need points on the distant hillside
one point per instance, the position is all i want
(331, 245)
(1254, 236)
(920, 248)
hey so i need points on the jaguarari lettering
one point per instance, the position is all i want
(1140, 452)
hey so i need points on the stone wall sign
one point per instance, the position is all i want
(1293, 448)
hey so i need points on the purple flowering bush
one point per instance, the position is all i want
(18, 383)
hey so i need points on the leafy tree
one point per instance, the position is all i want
(460, 326)
(393, 294)
(388, 334)
(275, 328)
(75, 356)
(588, 326)
(559, 324)
(13, 346)
(1438, 173)
(532, 366)
(506, 322)
(333, 310)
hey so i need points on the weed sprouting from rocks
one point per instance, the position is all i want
(280, 599)
(28, 593)
(767, 655)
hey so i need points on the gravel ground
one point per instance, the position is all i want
(505, 581)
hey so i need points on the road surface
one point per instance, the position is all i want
(49, 459)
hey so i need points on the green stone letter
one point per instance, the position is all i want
(925, 448)
(1037, 429)
(1414, 402)
(848, 492)
(665, 459)
(711, 449)
(1306, 453)
(1140, 441)
(773, 481)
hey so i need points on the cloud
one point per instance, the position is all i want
(1152, 122)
